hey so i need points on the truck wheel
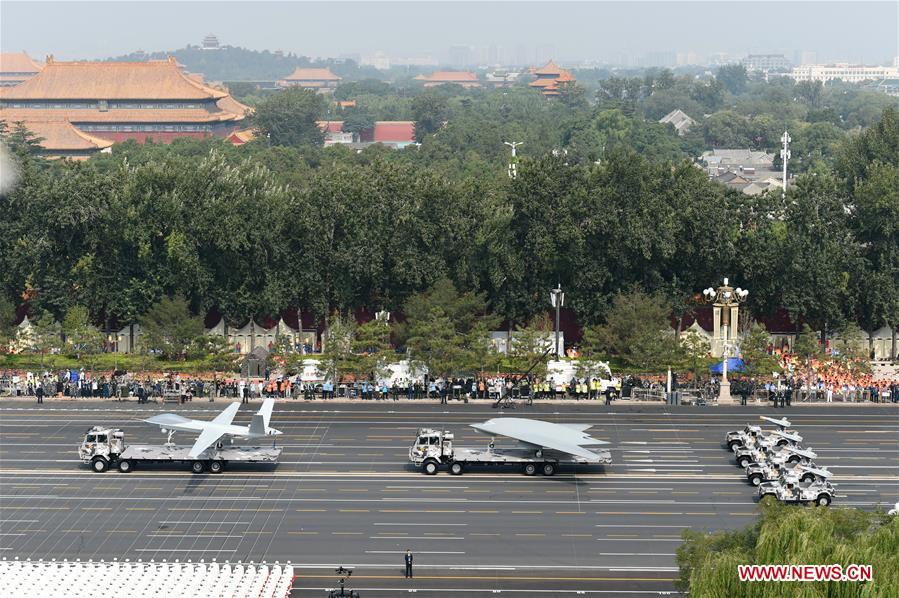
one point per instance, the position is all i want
(755, 479)
(530, 469)
(549, 469)
(808, 477)
(823, 500)
(216, 466)
(732, 444)
(126, 466)
(430, 467)
(743, 461)
(456, 468)
(99, 464)
(782, 442)
(198, 467)
(794, 459)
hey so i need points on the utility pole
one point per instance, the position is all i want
(785, 156)
(513, 164)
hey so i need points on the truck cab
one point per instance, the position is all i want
(431, 446)
(101, 445)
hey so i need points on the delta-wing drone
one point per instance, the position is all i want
(212, 431)
(541, 446)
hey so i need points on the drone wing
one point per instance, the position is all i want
(212, 431)
(207, 438)
(227, 416)
(559, 437)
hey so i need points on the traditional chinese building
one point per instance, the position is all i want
(466, 79)
(318, 80)
(392, 133)
(550, 77)
(17, 67)
(116, 101)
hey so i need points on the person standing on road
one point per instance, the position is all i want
(39, 392)
(408, 559)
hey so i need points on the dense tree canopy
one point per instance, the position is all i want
(605, 200)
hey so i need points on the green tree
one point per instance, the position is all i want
(46, 336)
(636, 332)
(429, 111)
(7, 323)
(876, 225)
(817, 255)
(879, 143)
(530, 345)
(290, 118)
(807, 347)
(754, 351)
(784, 535)
(696, 350)
(82, 338)
(338, 359)
(215, 351)
(357, 120)
(170, 329)
(372, 350)
(733, 77)
(448, 332)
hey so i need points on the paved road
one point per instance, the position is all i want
(343, 494)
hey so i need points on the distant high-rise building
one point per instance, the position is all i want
(460, 56)
(521, 55)
(379, 60)
(766, 62)
(544, 53)
(658, 59)
(808, 57)
(211, 42)
(493, 55)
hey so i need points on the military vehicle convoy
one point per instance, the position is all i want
(777, 464)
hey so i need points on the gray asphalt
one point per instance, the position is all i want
(344, 494)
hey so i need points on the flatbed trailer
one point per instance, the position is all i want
(433, 449)
(103, 448)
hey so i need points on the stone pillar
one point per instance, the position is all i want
(716, 332)
(734, 329)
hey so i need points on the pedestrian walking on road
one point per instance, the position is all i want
(408, 558)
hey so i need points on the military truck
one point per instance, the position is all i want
(103, 448)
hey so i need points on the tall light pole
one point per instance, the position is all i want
(557, 299)
(725, 300)
(513, 164)
(785, 156)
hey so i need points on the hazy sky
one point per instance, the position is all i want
(855, 31)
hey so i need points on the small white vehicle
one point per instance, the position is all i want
(805, 471)
(103, 448)
(759, 450)
(751, 432)
(542, 446)
(820, 493)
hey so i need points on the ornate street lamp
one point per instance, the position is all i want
(725, 302)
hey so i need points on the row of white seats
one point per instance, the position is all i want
(76, 579)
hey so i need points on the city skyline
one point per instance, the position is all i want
(632, 34)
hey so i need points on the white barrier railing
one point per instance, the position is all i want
(90, 579)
